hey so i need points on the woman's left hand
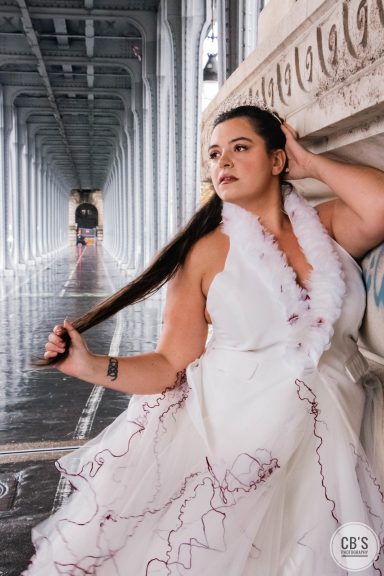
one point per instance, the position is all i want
(299, 159)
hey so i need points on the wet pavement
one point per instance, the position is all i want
(43, 413)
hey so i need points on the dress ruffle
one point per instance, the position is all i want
(311, 312)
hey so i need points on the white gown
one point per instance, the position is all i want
(248, 466)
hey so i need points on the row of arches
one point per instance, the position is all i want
(125, 124)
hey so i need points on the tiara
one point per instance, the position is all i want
(247, 99)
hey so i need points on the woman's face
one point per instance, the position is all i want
(240, 166)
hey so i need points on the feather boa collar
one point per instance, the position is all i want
(312, 312)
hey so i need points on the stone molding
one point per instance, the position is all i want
(326, 59)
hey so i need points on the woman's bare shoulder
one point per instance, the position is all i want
(325, 211)
(210, 250)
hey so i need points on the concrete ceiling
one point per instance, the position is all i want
(66, 66)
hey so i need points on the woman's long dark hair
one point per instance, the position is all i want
(173, 255)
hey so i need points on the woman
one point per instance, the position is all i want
(241, 456)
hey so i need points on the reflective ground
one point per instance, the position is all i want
(43, 413)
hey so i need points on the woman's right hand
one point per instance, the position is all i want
(78, 359)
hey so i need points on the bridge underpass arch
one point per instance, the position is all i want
(86, 215)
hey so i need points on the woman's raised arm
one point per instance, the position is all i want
(182, 340)
(356, 217)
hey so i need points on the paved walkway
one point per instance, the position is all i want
(44, 414)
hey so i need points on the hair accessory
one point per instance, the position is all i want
(245, 99)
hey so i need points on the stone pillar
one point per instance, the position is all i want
(114, 211)
(65, 234)
(120, 205)
(64, 237)
(9, 184)
(187, 22)
(138, 171)
(50, 208)
(39, 204)
(14, 183)
(57, 234)
(32, 230)
(130, 193)
(106, 229)
(54, 224)
(117, 198)
(124, 197)
(149, 183)
(166, 174)
(45, 206)
(232, 36)
(125, 192)
(23, 192)
(56, 228)
(60, 241)
(237, 33)
(3, 221)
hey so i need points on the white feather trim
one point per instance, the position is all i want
(310, 312)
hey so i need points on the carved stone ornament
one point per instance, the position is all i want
(246, 99)
(330, 59)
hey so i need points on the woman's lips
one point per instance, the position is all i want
(228, 180)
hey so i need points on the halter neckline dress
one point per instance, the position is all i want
(249, 464)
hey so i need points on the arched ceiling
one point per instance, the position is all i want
(68, 66)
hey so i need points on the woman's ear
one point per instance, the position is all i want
(279, 161)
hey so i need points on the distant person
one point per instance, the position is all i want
(80, 240)
(240, 456)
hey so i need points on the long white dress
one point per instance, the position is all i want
(248, 466)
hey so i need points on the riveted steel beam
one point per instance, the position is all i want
(35, 48)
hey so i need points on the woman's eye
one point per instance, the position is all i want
(213, 155)
(240, 147)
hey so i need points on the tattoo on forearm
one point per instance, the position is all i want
(113, 368)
